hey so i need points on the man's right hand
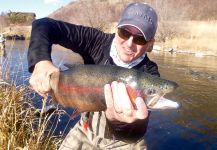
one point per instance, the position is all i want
(40, 78)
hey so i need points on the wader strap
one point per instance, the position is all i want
(96, 123)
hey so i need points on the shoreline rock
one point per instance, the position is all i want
(16, 32)
(199, 53)
(15, 37)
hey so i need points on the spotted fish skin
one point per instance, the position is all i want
(81, 86)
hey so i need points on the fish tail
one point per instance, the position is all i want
(75, 114)
(54, 100)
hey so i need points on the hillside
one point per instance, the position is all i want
(95, 13)
(185, 26)
(16, 25)
(98, 12)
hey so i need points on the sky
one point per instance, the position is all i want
(41, 8)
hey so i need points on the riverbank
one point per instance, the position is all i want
(16, 32)
(196, 37)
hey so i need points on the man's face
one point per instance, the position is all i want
(127, 48)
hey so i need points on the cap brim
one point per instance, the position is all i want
(142, 26)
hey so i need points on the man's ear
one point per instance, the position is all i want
(150, 45)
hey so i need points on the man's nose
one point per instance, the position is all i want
(130, 41)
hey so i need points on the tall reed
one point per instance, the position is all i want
(22, 126)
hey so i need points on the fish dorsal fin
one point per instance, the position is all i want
(69, 65)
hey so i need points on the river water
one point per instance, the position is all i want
(193, 126)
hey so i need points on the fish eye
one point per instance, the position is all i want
(150, 91)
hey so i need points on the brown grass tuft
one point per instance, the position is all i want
(20, 128)
(191, 36)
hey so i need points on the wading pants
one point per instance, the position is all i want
(80, 139)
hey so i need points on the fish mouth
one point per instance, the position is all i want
(158, 102)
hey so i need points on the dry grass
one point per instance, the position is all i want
(18, 30)
(192, 36)
(20, 128)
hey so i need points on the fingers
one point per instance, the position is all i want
(108, 96)
(119, 106)
(142, 111)
(122, 103)
(45, 95)
(40, 78)
(116, 96)
(109, 102)
(124, 100)
(40, 84)
(45, 86)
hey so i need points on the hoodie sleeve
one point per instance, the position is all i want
(86, 41)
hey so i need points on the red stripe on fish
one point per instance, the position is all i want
(79, 89)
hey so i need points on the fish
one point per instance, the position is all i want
(82, 87)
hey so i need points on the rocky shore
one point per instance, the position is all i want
(14, 32)
(159, 47)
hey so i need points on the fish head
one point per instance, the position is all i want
(150, 88)
(154, 92)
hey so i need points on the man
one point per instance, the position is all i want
(121, 126)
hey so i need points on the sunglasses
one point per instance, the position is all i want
(137, 39)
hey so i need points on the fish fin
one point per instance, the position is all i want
(69, 65)
(75, 114)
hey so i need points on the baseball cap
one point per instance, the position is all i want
(142, 16)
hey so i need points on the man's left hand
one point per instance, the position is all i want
(119, 106)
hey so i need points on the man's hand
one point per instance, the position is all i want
(40, 78)
(119, 106)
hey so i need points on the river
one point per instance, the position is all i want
(193, 126)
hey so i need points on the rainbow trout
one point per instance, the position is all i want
(82, 86)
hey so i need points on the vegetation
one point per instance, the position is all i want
(20, 127)
(189, 25)
(186, 24)
(98, 13)
(21, 18)
(22, 124)
(190, 37)
(16, 24)
(16, 18)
